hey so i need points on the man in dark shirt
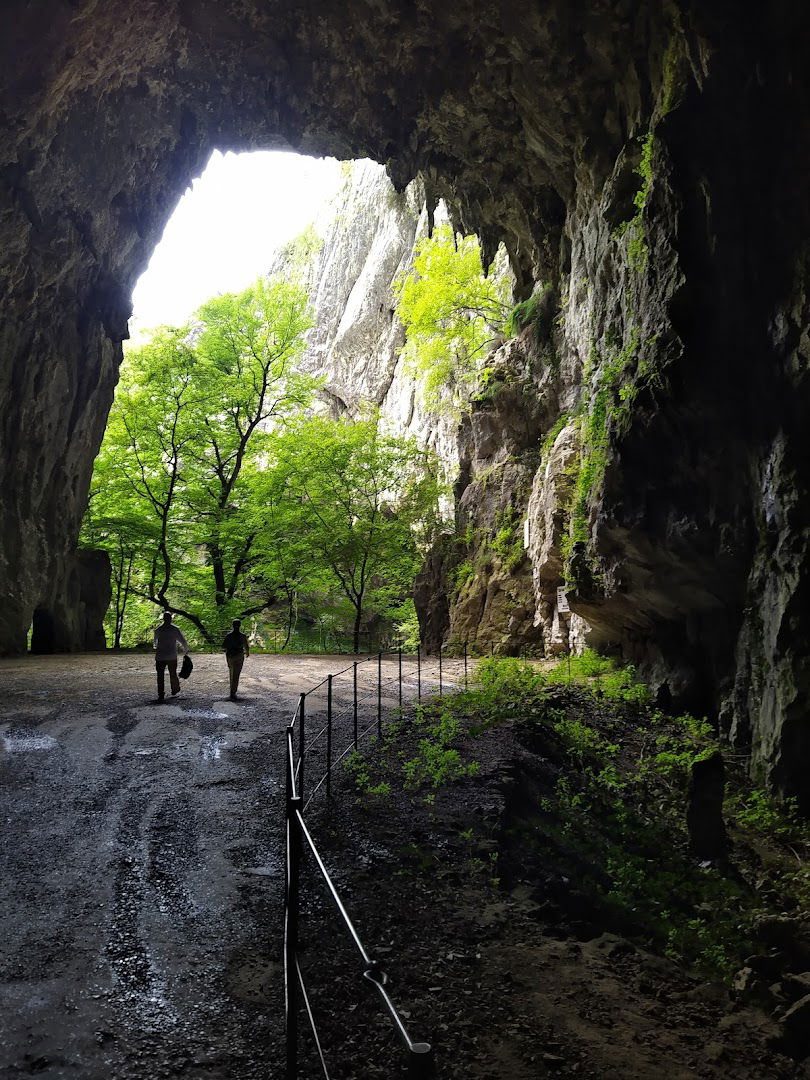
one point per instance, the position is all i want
(236, 649)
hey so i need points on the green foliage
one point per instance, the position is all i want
(633, 230)
(756, 809)
(521, 315)
(298, 256)
(674, 71)
(580, 739)
(551, 435)
(506, 677)
(488, 386)
(217, 498)
(183, 443)
(605, 410)
(352, 503)
(507, 543)
(462, 575)
(585, 666)
(532, 312)
(603, 675)
(358, 769)
(612, 774)
(437, 762)
(407, 626)
(451, 310)
(621, 685)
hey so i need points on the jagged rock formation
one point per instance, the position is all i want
(367, 239)
(683, 296)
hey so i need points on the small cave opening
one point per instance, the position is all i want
(44, 632)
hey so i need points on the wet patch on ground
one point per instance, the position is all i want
(24, 741)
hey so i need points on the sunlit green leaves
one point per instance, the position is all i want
(345, 500)
(450, 311)
(186, 438)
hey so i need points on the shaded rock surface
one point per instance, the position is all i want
(680, 263)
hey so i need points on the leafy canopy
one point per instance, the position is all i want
(185, 439)
(451, 310)
(346, 501)
(218, 495)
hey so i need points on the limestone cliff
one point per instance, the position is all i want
(365, 240)
(484, 587)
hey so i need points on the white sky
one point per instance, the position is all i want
(225, 228)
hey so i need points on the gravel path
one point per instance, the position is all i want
(141, 863)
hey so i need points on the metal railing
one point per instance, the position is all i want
(349, 705)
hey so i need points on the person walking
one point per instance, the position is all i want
(168, 642)
(236, 649)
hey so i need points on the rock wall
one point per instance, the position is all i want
(680, 350)
(367, 239)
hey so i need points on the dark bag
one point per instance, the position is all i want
(186, 667)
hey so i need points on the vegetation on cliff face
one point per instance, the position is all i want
(454, 312)
(451, 311)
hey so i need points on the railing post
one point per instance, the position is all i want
(302, 743)
(354, 709)
(440, 670)
(379, 695)
(465, 663)
(400, 680)
(329, 737)
(291, 915)
(419, 673)
(420, 1062)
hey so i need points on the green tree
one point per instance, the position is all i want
(246, 348)
(451, 311)
(360, 505)
(115, 522)
(183, 446)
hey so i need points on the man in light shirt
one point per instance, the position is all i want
(169, 641)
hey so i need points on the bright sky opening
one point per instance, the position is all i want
(222, 235)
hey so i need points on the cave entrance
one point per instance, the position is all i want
(237, 223)
(43, 632)
(226, 229)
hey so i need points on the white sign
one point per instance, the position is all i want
(562, 600)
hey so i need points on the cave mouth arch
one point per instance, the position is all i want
(112, 119)
(519, 115)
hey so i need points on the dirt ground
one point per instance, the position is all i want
(141, 865)
(141, 878)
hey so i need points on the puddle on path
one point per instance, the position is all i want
(204, 714)
(263, 871)
(171, 711)
(211, 747)
(22, 740)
